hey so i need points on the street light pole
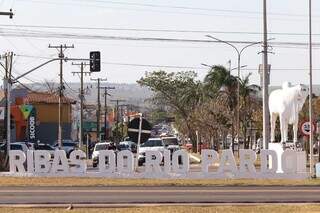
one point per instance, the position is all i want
(310, 94)
(239, 53)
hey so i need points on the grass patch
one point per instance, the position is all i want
(85, 181)
(179, 209)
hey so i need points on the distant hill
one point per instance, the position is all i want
(131, 93)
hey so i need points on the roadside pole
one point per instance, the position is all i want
(87, 149)
(139, 139)
(99, 106)
(197, 134)
(7, 87)
(106, 108)
(61, 49)
(265, 77)
(312, 172)
(82, 65)
(117, 101)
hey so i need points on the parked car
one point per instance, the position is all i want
(99, 147)
(47, 147)
(15, 146)
(128, 145)
(67, 145)
(152, 144)
(171, 143)
(29, 144)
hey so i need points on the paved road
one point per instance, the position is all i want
(122, 195)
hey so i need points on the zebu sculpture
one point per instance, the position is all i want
(287, 103)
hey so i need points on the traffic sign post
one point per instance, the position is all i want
(139, 131)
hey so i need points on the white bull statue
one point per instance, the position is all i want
(287, 103)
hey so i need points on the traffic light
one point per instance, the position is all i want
(95, 61)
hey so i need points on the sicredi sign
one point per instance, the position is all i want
(160, 165)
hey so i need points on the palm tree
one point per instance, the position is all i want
(219, 82)
(248, 104)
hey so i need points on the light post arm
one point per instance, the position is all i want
(33, 69)
(249, 45)
(228, 43)
(47, 62)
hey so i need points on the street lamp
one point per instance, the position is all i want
(239, 52)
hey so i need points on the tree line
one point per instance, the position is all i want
(207, 107)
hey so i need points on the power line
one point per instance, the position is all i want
(9, 27)
(170, 66)
(147, 39)
(71, 90)
(185, 8)
(148, 30)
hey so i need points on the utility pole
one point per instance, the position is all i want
(61, 48)
(310, 93)
(106, 108)
(99, 105)
(265, 78)
(117, 101)
(7, 87)
(7, 81)
(82, 65)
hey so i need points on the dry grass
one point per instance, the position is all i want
(179, 209)
(84, 181)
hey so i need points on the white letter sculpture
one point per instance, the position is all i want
(287, 103)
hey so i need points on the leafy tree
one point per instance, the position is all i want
(213, 119)
(180, 91)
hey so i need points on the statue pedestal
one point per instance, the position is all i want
(278, 148)
(301, 158)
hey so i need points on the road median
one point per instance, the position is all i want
(84, 181)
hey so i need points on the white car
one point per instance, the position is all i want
(68, 146)
(171, 143)
(97, 148)
(19, 146)
(153, 144)
(47, 147)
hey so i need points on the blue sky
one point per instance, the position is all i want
(240, 17)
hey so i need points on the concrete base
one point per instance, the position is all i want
(301, 158)
(278, 148)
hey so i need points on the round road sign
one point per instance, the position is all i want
(305, 127)
(133, 130)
